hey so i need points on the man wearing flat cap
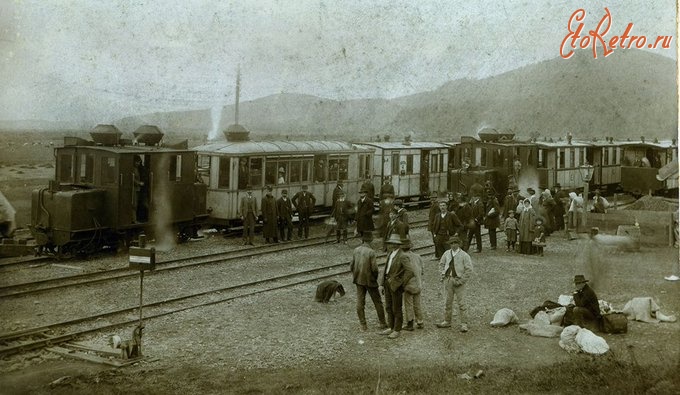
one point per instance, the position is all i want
(585, 312)
(455, 267)
(395, 276)
(284, 208)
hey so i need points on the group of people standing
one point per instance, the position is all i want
(277, 214)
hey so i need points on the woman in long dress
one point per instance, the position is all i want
(526, 227)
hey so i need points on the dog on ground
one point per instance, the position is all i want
(326, 290)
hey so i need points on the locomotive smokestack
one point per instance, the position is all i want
(238, 92)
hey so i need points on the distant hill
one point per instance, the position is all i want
(628, 94)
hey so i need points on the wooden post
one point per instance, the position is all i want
(585, 205)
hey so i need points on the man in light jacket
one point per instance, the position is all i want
(456, 268)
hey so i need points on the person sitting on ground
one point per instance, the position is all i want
(585, 312)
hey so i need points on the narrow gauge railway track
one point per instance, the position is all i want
(51, 284)
(40, 337)
(10, 262)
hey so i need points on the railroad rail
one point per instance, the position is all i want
(45, 336)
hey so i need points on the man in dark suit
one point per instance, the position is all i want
(364, 268)
(395, 276)
(368, 186)
(585, 312)
(475, 230)
(284, 208)
(337, 191)
(364, 214)
(270, 217)
(445, 225)
(387, 189)
(248, 210)
(304, 203)
(395, 225)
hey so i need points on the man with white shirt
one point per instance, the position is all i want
(395, 276)
(455, 268)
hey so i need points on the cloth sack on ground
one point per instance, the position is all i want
(504, 317)
(591, 343)
(645, 309)
(540, 326)
(568, 339)
(575, 339)
(565, 300)
(556, 315)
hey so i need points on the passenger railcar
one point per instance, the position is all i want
(559, 162)
(229, 167)
(641, 163)
(605, 156)
(415, 169)
(491, 158)
(98, 199)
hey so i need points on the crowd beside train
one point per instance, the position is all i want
(455, 222)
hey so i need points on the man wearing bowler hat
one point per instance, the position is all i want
(585, 312)
(364, 214)
(248, 209)
(304, 202)
(395, 276)
(455, 268)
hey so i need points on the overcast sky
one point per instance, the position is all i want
(102, 60)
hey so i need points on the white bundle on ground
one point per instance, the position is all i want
(556, 315)
(568, 339)
(576, 339)
(591, 343)
(504, 317)
(645, 309)
(540, 326)
(565, 300)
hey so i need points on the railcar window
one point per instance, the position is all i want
(319, 169)
(108, 170)
(541, 159)
(572, 158)
(363, 166)
(581, 156)
(395, 163)
(270, 174)
(605, 156)
(482, 157)
(441, 162)
(434, 163)
(307, 165)
(223, 176)
(409, 164)
(86, 168)
(243, 173)
(530, 157)
(256, 172)
(616, 156)
(66, 168)
(562, 155)
(175, 168)
(295, 171)
(204, 169)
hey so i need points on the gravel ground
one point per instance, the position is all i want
(286, 329)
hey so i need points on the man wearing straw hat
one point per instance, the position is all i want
(395, 276)
(455, 268)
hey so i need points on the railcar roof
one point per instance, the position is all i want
(126, 149)
(660, 144)
(283, 147)
(562, 144)
(401, 145)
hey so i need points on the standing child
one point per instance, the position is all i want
(539, 231)
(511, 228)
